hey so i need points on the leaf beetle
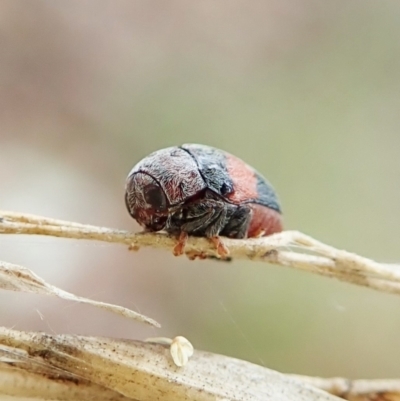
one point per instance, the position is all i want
(202, 191)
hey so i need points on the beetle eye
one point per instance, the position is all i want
(155, 197)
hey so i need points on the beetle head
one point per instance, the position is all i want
(146, 201)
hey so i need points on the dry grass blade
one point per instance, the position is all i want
(38, 381)
(18, 278)
(143, 371)
(357, 390)
(72, 368)
(289, 248)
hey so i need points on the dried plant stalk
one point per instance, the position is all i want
(18, 278)
(49, 384)
(289, 248)
(143, 371)
(72, 368)
(62, 367)
(357, 390)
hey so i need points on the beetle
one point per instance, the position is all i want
(202, 191)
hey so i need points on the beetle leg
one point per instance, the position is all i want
(217, 223)
(180, 246)
(259, 233)
(199, 222)
(215, 227)
(222, 250)
(194, 255)
(238, 223)
(214, 220)
(207, 218)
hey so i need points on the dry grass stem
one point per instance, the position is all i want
(68, 367)
(289, 248)
(18, 278)
(72, 368)
(357, 390)
(109, 369)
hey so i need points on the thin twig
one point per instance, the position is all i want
(289, 248)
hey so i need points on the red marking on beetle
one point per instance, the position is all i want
(244, 180)
(265, 221)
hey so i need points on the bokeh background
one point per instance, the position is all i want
(308, 92)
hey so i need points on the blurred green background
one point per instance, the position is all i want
(308, 92)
